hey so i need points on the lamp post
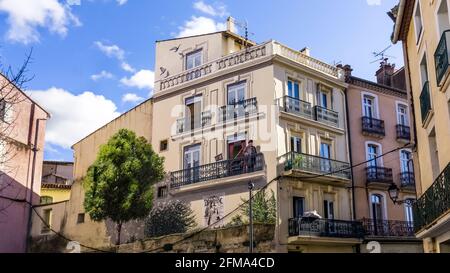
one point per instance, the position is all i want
(394, 193)
(250, 215)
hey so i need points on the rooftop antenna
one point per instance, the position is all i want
(244, 26)
(382, 56)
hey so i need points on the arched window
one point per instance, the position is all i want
(377, 207)
(46, 200)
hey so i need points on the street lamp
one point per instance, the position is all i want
(393, 194)
(250, 212)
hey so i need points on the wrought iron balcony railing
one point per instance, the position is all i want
(216, 170)
(407, 180)
(238, 109)
(441, 60)
(388, 228)
(403, 132)
(188, 124)
(326, 116)
(297, 107)
(425, 101)
(434, 203)
(316, 164)
(373, 126)
(379, 175)
(325, 228)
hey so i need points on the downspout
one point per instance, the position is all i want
(349, 139)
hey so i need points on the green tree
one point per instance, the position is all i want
(169, 218)
(119, 184)
(264, 210)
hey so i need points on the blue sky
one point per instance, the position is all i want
(94, 59)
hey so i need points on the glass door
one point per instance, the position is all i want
(325, 154)
(193, 112)
(192, 163)
(294, 96)
(235, 100)
(402, 115)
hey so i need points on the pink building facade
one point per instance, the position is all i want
(22, 132)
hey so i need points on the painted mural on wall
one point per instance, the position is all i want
(214, 211)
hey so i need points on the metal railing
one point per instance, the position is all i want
(238, 109)
(379, 174)
(325, 228)
(187, 124)
(403, 132)
(388, 228)
(407, 180)
(316, 164)
(441, 60)
(373, 126)
(434, 203)
(297, 107)
(425, 101)
(216, 170)
(326, 116)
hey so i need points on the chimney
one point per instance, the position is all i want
(385, 72)
(231, 27)
(305, 51)
(347, 70)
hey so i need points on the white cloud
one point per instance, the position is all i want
(121, 2)
(131, 97)
(218, 10)
(102, 75)
(25, 17)
(143, 79)
(73, 116)
(373, 2)
(114, 51)
(199, 25)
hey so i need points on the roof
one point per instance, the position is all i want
(376, 86)
(224, 32)
(28, 97)
(403, 15)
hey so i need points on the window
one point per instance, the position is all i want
(236, 145)
(323, 98)
(193, 112)
(402, 115)
(80, 218)
(409, 211)
(418, 21)
(298, 206)
(236, 93)
(377, 207)
(373, 153)
(46, 200)
(328, 209)
(296, 144)
(325, 153)
(424, 69)
(434, 154)
(193, 59)
(47, 217)
(163, 145)
(294, 89)
(162, 192)
(369, 107)
(442, 17)
(405, 161)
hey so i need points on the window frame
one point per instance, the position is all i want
(194, 53)
(376, 111)
(379, 162)
(398, 105)
(418, 34)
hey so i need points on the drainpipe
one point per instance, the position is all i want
(349, 139)
(33, 169)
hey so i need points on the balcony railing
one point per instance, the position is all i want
(216, 170)
(403, 132)
(379, 175)
(188, 124)
(425, 101)
(297, 107)
(388, 228)
(316, 164)
(373, 126)
(326, 116)
(325, 228)
(434, 203)
(407, 180)
(238, 109)
(441, 60)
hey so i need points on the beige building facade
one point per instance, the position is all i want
(423, 28)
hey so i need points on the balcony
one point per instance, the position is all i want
(372, 126)
(238, 109)
(403, 132)
(297, 107)
(188, 125)
(379, 175)
(434, 203)
(300, 162)
(441, 60)
(387, 228)
(326, 116)
(217, 170)
(425, 102)
(407, 181)
(325, 228)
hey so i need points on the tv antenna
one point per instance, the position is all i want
(244, 26)
(382, 56)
